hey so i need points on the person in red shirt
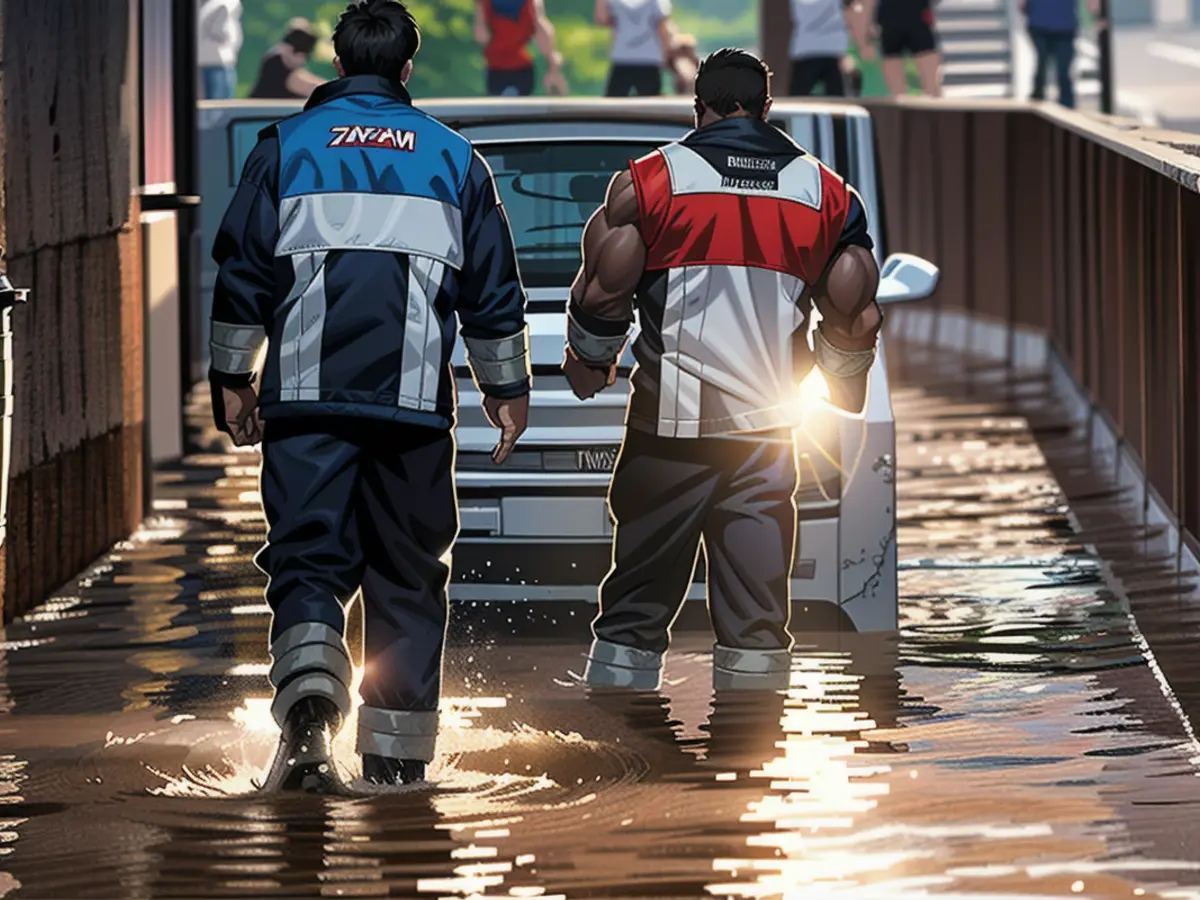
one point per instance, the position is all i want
(504, 28)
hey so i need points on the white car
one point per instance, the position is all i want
(538, 528)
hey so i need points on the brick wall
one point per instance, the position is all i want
(70, 229)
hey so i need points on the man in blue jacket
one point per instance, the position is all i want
(361, 228)
(1053, 27)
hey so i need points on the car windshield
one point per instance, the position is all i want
(550, 190)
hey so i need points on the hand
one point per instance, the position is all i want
(868, 53)
(555, 83)
(511, 417)
(241, 415)
(585, 379)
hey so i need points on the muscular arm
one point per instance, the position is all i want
(845, 298)
(849, 326)
(614, 259)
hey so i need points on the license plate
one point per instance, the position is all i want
(596, 459)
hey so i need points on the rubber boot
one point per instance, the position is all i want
(304, 760)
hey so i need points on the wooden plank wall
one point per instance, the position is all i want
(1039, 226)
(71, 233)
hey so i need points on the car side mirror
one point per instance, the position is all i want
(906, 277)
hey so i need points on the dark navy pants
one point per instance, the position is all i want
(360, 504)
(1055, 49)
(667, 494)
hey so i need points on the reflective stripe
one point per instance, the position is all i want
(679, 393)
(601, 350)
(751, 670)
(303, 330)
(238, 337)
(799, 180)
(421, 358)
(617, 666)
(621, 655)
(233, 362)
(305, 633)
(398, 734)
(313, 656)
(314, 684)
(317, 657)
(357, 221)
(500, 361)
(235, 348)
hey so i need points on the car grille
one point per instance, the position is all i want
(582, 459)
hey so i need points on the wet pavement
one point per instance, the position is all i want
(1015, 740)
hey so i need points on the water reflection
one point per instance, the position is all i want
(1012, 742)
(817, 789)
(11, 776)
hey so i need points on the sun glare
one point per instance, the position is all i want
(811, 394)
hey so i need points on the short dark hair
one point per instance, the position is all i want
(376, 37)
(730, 78)
(300, 36)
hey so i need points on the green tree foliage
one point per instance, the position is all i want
(450, 63)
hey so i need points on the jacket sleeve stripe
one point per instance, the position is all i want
(499, 362)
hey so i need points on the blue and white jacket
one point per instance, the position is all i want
(360, 229)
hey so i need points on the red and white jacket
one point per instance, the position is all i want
(738, 220)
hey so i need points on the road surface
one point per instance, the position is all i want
(1162, 68)
(1016, 740)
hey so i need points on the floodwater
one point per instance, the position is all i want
(1015, 740)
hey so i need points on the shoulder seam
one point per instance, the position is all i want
(463, 143)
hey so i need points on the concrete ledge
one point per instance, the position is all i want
(1025, 349)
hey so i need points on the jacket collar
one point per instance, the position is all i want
(358, 84)
(744, 134)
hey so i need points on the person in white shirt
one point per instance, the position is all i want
(641, 44)
(821, 35)
(218, 42)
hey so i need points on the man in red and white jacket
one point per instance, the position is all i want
(722, 242)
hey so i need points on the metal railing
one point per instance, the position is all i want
(1059, 222)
